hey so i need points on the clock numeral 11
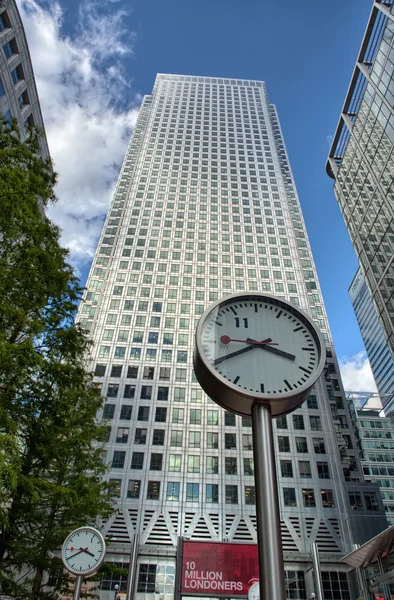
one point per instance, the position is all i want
(236, 319)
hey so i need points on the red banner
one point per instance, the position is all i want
(218, 569)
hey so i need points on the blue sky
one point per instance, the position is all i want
(305, 52)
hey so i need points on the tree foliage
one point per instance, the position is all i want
(51, 465)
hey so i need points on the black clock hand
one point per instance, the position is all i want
(274, 350)
(76, 554)
(219, 360)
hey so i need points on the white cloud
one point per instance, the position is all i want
(357, 374)
(89, 109)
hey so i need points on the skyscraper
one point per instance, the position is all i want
(18, 92)
(206, 206)
(379, 355)
(361, 161)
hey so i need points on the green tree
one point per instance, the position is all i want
(51, 467)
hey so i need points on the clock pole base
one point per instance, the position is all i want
(271, 567)
(78, 586)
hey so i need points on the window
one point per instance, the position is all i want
(304, 467)
(161, 414)
(118, 459)
(246, 422)
(355, 500)
(230, 441)
(176, 439)
(129, 391)
(301, 445)
(327, 498)
(116, 371)
(318, 445)
(140, 436)
(231, 494)
(212, 440)
(281, 422)
(156, 462)
(230, 465)
(122, 435)
(179, 394)
(193, 464)
(195, 416)
(335, 585)
(153, 492)
(212, 465)
(158, 437)
(322, 470)
(164, 373)
(286, 468)
(162, 393)
(125, 412)
(148, 372)
(371, 501)
(174, 464)
(112, 391)
(100, 370)
(250, 497)
(108, 411)
(283, 443)
(212, 493)
(173, 491)
(315, 423)
(213, 417)
(192, 492)
(147, 579)
(248, 466)
(298, 422)
(308, 497)
(247, 442)
(177, 415)
(17, 75)
(134, 488)
(229, 418)
(132, 372)
(195, 439)
(143, 413)
(312, 401)
(146, 392)
(137, 461)
(289, 496)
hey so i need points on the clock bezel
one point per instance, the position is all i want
(233, 398)
(93, 531)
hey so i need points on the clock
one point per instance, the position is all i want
(254, 591)
(83, 551)
(255, 348)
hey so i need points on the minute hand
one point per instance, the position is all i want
(273, 350)
(221, 359)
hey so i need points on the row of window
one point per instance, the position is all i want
(192, 493)
(193, 465)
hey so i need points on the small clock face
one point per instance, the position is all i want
(83, 551)
(260, 345)
(254, 592)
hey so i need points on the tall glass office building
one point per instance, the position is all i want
(378, 351)
(361, 160)
(206, 206)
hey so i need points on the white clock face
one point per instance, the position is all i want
(254, 592)
(260, 346)
(83, 551)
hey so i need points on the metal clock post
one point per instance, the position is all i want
(259, 356)
(83, 552)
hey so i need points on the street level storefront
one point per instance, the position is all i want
(374, 564)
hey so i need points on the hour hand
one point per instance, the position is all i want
(273, 350)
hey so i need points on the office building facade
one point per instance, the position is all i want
(361, 161)
(375, 443)
(206, 206)
(18, 92)
(378, 352)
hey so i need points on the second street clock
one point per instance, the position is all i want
(255, 348)
(83, 551)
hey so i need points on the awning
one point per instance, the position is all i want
(380, 546)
